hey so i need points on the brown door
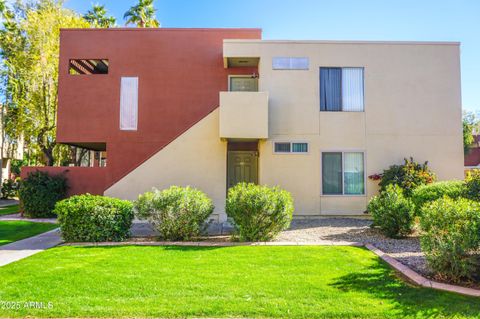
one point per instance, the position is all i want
(242, 166)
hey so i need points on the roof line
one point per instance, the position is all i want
(157, 29)
(340, 42)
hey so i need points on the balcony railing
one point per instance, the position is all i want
(244, 115)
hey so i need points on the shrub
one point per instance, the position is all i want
(451, 236)
(178, 213)
(472, 185)
(94, 218)
(40, 191)
(408, 176)
(9, 188)
(259, 212)
(392, 212)
(427, 193)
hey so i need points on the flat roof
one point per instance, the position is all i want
(254, 41)
(134, 29)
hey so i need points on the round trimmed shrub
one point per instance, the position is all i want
(428, 193)
(451, 237)
(93, 218)
(259, 212)
(39, 193)
(178, 213)
(392, 212)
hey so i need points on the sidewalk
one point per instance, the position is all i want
(18, 216)
(29, 246)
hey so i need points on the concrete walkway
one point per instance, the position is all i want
(18, 216)
(29, 246)
(8, 202)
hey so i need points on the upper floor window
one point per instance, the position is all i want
(245, 83)
(88, 66)
(290, 63)
(341, 89)
(128, 103)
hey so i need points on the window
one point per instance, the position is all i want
(128, 103)
(290, 63)
(341, 89)
(290, 147)
(243, 84)
(88, 66)
(343, 173)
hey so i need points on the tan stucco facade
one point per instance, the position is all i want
(412, 107)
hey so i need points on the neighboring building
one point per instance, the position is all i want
(212, 107)
(472, 158)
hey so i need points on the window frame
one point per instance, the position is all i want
(341, 89)
(307, 68)
(343, 172)
(230, 76)
(291, 147)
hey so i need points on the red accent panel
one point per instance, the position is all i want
(180, 74)
(81, 180)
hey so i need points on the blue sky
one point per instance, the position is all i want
(419, 20)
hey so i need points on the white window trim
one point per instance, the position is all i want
(242, 76)
(343, 172)
(291, 142)
(344, 67)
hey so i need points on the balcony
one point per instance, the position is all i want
(244, 115)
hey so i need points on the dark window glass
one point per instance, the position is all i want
(332, 173)
(282, 147)
(299, 147)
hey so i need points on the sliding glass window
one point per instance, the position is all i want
(343, 173)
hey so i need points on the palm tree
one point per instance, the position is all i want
(97, 17)
(142, 14)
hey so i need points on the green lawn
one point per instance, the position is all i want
(7, 210)
(290, 282)
(11, 231)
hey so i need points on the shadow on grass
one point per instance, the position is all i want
(409, 301)
(164, 247)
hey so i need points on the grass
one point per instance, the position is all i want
(7, 210)
(11, 231)
(288, 282)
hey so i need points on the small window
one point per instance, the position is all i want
(290, 147)
(290, 63)
(343, 173)
(341, 89)
(128, 103)
(88, 66)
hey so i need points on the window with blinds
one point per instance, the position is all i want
(290, 147)
(290, 63)
(341, 89)
(129, 103)
(343, 173)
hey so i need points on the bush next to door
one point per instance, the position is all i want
(93, 218)
(178, 213)
(392, 212)
(39, 192)
(451, 238)
(259, 212)
(430, 192)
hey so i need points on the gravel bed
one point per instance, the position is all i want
(406, 250)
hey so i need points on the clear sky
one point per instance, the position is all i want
(417, 20)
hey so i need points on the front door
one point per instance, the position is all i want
(242, 166)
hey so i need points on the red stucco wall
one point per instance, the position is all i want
(81, 180)
(180, 75)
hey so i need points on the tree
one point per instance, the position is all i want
(97, 17)
(469, 122)
(142, 14)
(29, 43)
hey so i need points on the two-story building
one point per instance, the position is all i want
(212, 107)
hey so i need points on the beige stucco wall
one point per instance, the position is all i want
(196, 158)
(412, 108)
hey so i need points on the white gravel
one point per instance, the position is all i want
(406, 250)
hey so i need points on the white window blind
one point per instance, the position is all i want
(129, 103)
(290, 63)
(352, 89)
